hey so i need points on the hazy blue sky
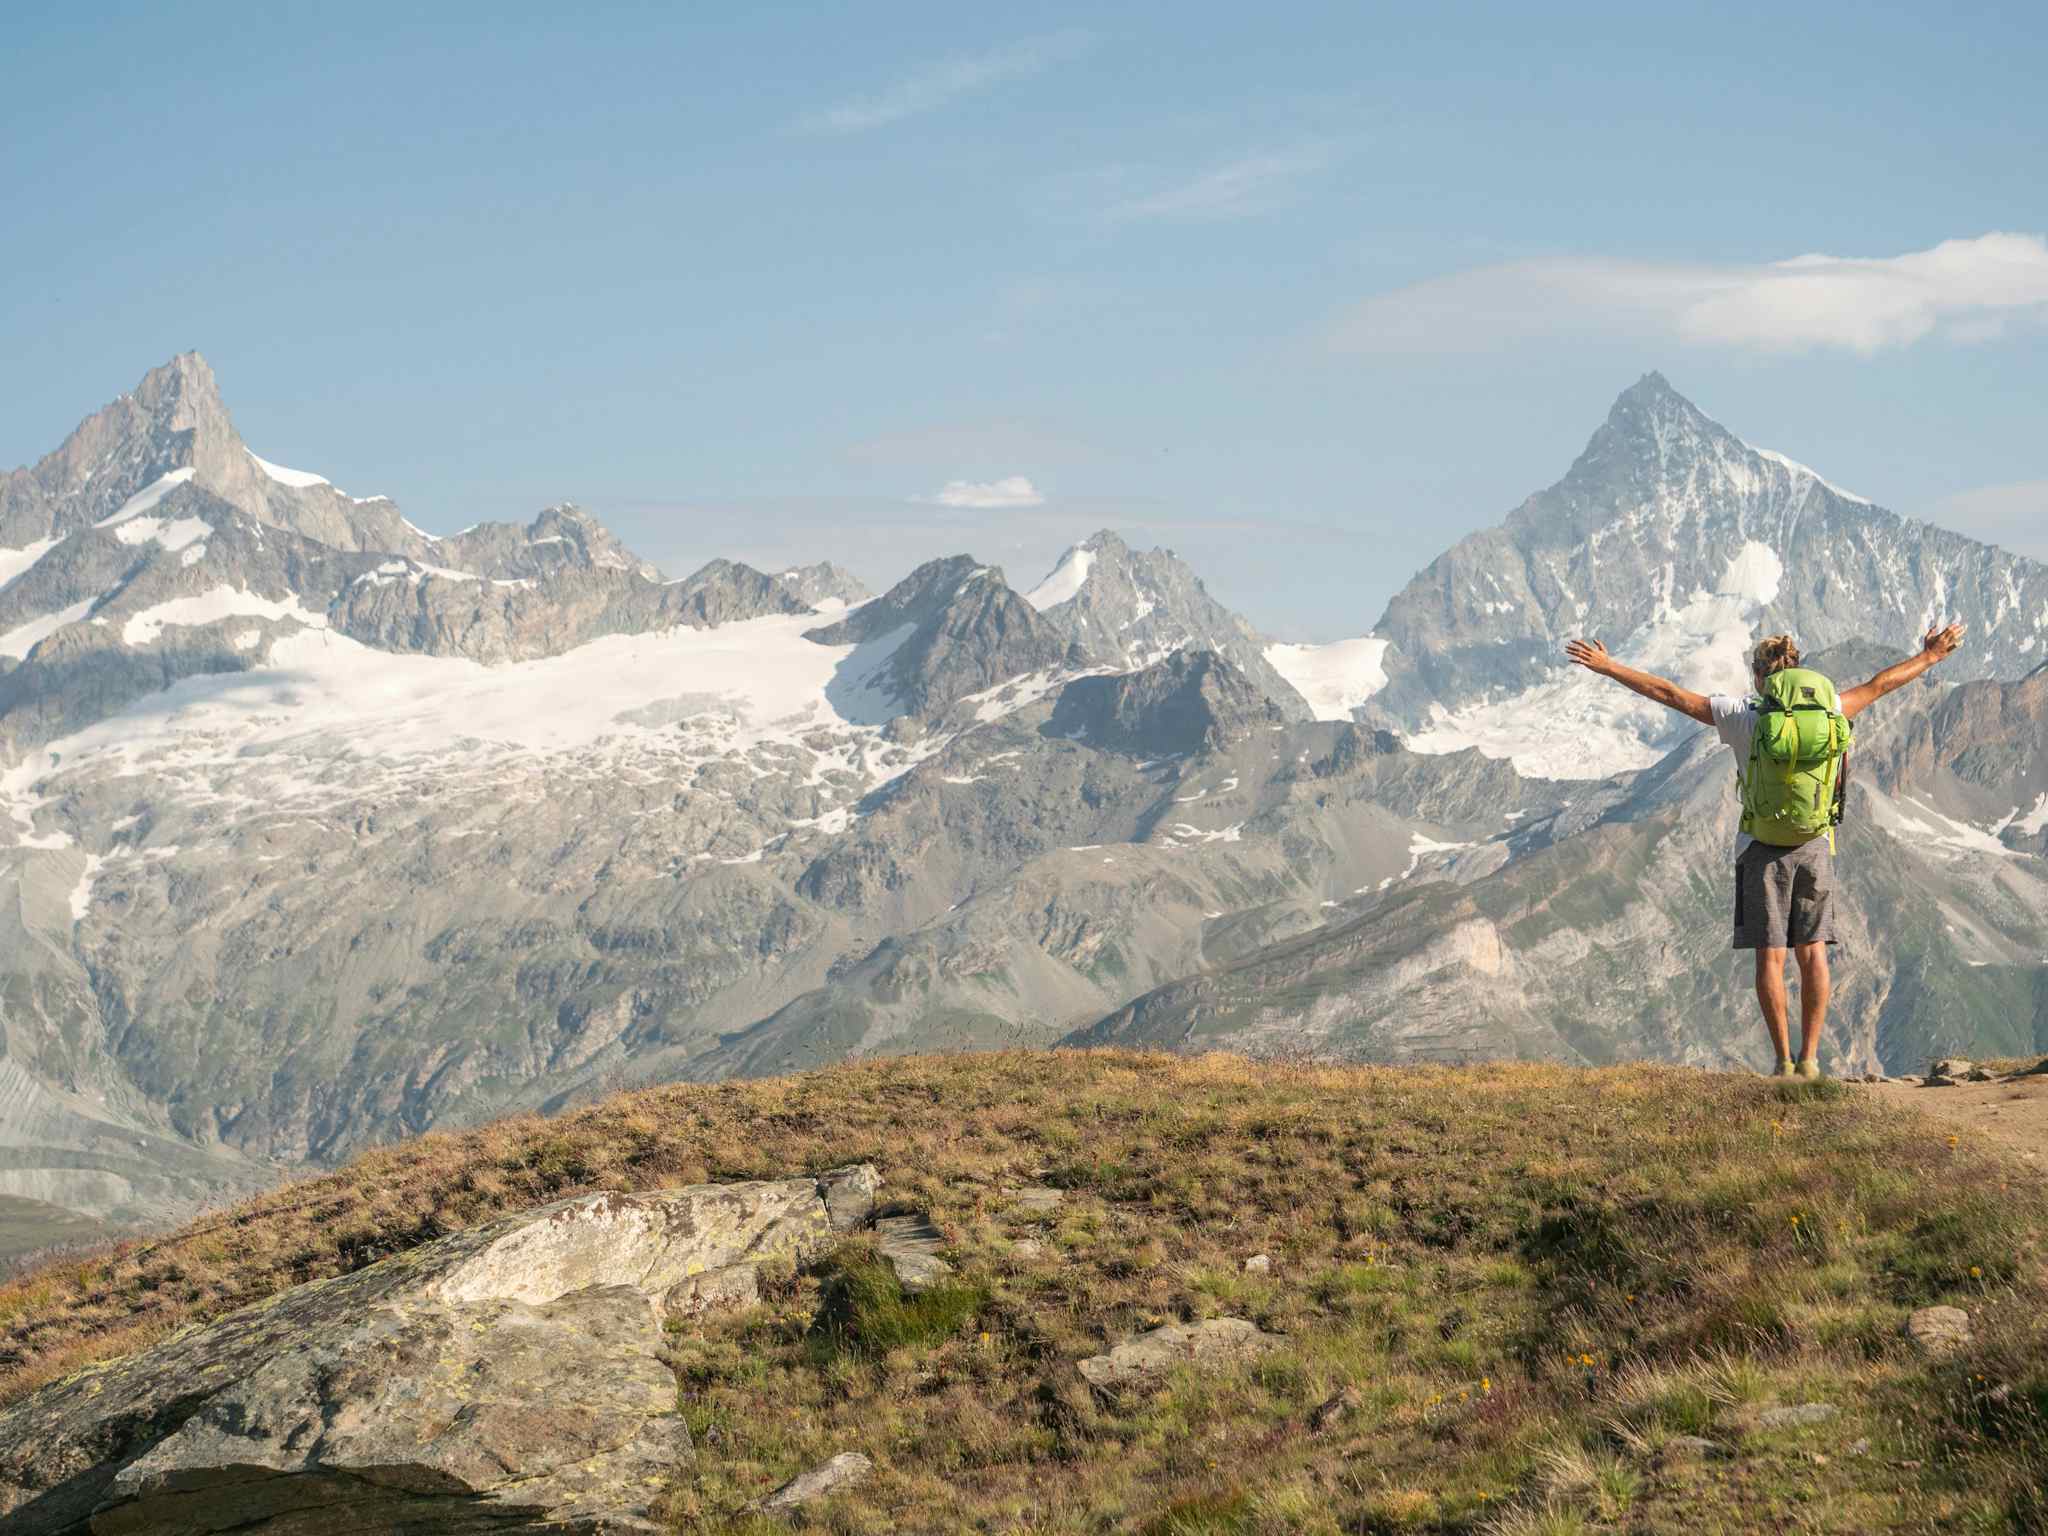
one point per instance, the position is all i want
(1303, 291)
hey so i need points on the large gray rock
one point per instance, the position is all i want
(502, 1379)
(842, 1471)
(1939, 1330)
(1148, 1357)
(911, 1244)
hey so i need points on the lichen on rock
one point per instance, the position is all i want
(503, 1378)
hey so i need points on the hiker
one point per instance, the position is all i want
(1791, 742)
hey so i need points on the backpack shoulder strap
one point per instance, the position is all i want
(1745, 767)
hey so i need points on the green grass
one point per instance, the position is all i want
(864, 1311)
(1521, 1284)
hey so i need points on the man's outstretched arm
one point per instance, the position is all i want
(1592, 655)
(1935, 646)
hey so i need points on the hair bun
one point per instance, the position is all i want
(1774, 653)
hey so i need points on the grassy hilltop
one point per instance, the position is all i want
(1508, 1293)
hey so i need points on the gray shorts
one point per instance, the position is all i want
(1785, 896)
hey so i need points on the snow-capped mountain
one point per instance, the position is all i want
(1676, 543)
(316, 828)
(1132, 608)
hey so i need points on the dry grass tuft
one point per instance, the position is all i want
(1522, 1283)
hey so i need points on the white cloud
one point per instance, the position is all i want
(2014, 516)
(1236, 189)
(1010, 491)
(1966, 290)
(932, 88)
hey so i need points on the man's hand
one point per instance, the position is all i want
(1591, 655)
(1938, 644)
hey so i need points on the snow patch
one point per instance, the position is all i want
(1574, 725)
(1066, 579)
(81, 893)
(1936, 833)
(321, 715)
(1798, 468)
(1755, 574)
(172, 535)
(2033, 821)
(1191, 833)
(148, 496)
(13, 562)
(146, 627)
(18, 642)
(298, 478)
(1335, 679)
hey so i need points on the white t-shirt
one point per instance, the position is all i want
(1735, 724)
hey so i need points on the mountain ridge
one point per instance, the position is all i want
(311, 846)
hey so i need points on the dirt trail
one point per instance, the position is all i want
(2011, 1113)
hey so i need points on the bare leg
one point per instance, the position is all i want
(1770, 996)
(1813, 997)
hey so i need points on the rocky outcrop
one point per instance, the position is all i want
(842, 1471)
(1151, 1356)
(1193, 701)
(1939, 1331)
(501, 1379)
(562, 538)
(402, 605)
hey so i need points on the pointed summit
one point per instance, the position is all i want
(949, 629)
(1651, 412)
(174, 422)
(1134, 608)
(184, 384)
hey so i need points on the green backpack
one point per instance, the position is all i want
(1798, 770)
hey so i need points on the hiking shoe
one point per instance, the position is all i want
(1809, 1069)
(1784, 1067)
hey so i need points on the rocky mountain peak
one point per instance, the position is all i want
(1134, 607)
(183, 391)
(825, 582)
(951, 628)
(1192, 701)
(1675, 542)
(560, 538)
(915, 599)
(175, 423)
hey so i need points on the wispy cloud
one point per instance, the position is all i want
(1010, 491)
(947, 81)
(1965, 290)
(1235, 189)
